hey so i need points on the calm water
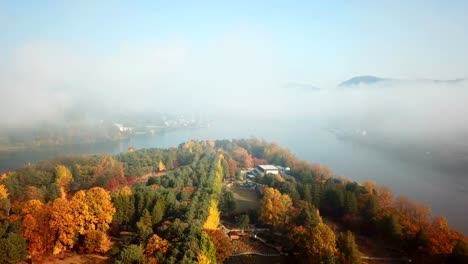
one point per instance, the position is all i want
(446, 191)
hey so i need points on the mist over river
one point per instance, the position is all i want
(445, 190)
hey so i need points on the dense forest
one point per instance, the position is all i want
(168, 206)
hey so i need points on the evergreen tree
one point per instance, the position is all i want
(372, 207)
(144, 226)
(157, 213)
(12, 245)
(348, 248)
(391, 227)
(328, 258)
(350, 203)
(243, 221)
(132, 254)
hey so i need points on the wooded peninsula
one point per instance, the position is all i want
(231, 201)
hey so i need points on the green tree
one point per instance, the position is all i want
(308, 217)
(348, 248)
(207, 252)
(329, 258)
(372, 207)
(350, 203)
(124, 208)
(132, 254)
(12, 245)
(5, 206)
(144, 226)
(391, 227)
(12, 249)
(243, 221)
(307, 193)
(158, 211)
(331, 202)
(227, 202)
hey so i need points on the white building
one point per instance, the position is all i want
(123, 128)
(267, 169)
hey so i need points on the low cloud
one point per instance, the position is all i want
(41, 80)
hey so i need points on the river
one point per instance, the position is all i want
(445, 191)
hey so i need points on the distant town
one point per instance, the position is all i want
(79, 129)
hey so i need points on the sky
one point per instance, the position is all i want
(161, 53)
(319, 43)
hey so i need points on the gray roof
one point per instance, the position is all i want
(268, 167)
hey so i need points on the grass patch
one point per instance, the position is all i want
(246, 200)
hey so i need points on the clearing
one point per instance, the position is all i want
(246, 199)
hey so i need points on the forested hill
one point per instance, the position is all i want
(182, 205)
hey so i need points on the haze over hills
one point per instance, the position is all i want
(301, 87)
(370, 80)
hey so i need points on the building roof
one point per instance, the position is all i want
(268, 167)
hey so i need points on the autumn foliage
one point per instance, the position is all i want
(57, 208)
(275, 207)
(52, 228)
(63, 224)
(156, 246)
(222, 244)
(36, 228)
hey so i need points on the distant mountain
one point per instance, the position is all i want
(369, 79)
(454, 81)
(301, 87)
(366, 79)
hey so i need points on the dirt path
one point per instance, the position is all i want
(76, 259)
(145, 177)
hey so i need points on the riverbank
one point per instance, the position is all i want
(447, 193)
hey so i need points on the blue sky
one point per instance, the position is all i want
(305, 41)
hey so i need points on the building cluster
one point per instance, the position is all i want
(266, 169)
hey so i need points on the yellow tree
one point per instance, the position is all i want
(275, 207)
(97, 242)
(63, 177)
(124, 191)
(4, 201)
(322, 239)
(93, 210)
(81, 212)
(161, 166)
(203, 259)
(100, 204)
(315, 241)
(212, 222)
(3, 192)
(64, 225)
